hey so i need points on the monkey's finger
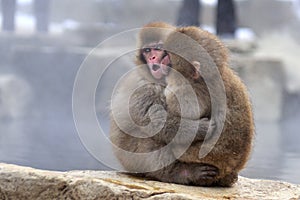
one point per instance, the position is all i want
(208, 168)
(209, 173)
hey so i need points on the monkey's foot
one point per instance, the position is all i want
(186, 173)
(198, 174)
(204, 175)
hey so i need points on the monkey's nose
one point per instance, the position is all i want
(153, 58)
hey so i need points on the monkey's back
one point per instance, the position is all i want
(233, 148)
(236, 139)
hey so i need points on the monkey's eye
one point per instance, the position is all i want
(146, 50)
(159, 47)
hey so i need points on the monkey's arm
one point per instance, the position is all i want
(184, 129)
(147, 109)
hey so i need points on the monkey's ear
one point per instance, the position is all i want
(196, 74)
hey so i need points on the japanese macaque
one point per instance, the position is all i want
(143, 133)
(199, 56)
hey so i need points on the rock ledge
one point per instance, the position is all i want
(18, 182)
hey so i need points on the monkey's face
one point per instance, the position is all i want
(157, 59)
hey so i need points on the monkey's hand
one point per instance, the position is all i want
(144, 115)
(158, 116)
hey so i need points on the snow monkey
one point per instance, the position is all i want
(194, 53)
(144, 127)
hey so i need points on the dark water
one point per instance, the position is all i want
(276, 151)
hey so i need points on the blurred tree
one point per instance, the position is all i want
(8, 14)
(189, 13)
(225, 19)
(41, 11)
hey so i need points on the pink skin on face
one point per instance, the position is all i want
(157, 60)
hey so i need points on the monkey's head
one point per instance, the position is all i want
(151, 52)
(193, 51)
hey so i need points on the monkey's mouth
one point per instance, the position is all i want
(155, 67)
(160, 69)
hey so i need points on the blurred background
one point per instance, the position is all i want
(44, 43)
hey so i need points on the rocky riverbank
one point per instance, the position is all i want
(18, 182)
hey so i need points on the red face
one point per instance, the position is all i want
(157, 59)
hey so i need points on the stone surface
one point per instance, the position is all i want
(18, 182)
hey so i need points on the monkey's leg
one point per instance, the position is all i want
(186, 173)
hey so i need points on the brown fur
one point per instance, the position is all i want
(233, 148)
(142, 97)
